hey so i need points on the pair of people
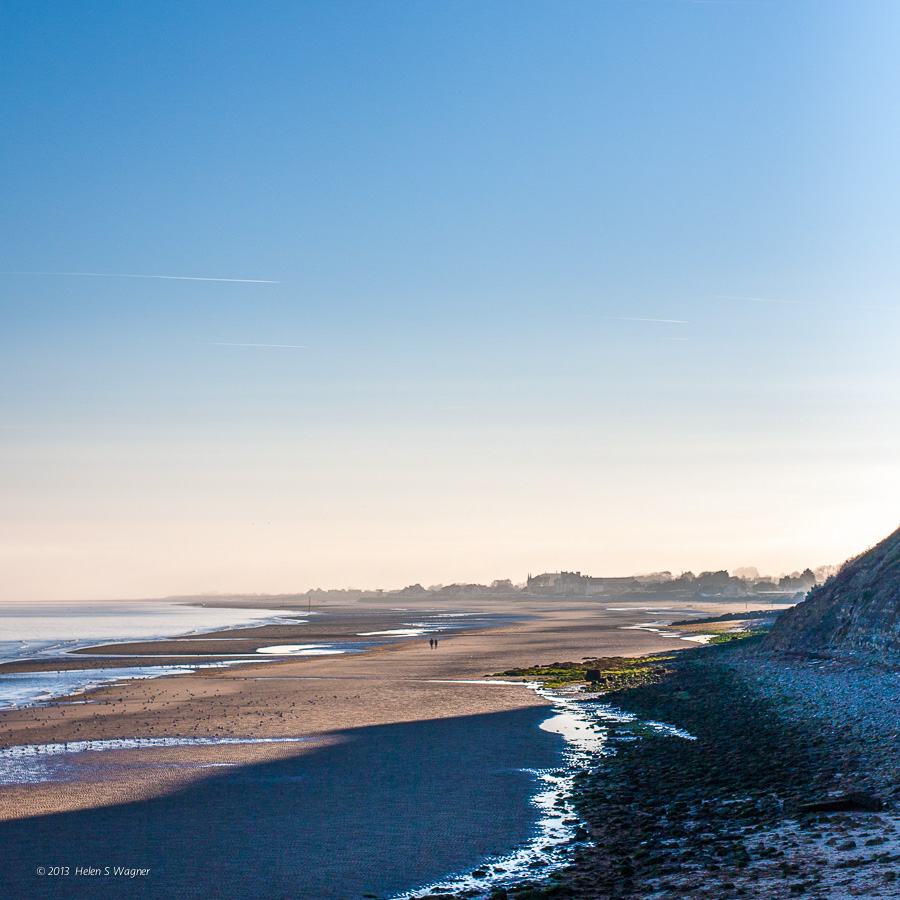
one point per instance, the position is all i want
(432, 642)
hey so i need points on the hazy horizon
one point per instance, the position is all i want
(750, 574)
(382, 293)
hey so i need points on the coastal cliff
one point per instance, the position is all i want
(854, 614)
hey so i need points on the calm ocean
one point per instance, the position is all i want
(31, 631)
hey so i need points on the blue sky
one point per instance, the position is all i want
(608, 286)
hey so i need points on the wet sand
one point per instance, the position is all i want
(385, 725)
(313, 696)
(377, 811)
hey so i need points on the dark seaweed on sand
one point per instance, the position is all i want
(611, 673)
(661, 810)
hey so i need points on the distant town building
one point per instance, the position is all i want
(574, 584)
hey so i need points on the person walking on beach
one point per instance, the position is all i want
(431, 643)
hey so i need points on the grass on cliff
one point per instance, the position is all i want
(726, 637)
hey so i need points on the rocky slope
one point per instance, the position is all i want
(855, 614)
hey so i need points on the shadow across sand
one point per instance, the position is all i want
(387, 809)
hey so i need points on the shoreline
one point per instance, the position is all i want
(733, 814)
(32, 631)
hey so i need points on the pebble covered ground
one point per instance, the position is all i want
(855, 707)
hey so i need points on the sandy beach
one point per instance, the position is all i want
(372, 810)
(421, 748)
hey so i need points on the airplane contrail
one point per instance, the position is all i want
(167, 277)
(279, 346)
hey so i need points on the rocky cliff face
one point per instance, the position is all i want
(854, 614)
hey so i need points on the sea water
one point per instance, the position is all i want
(31, 631)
